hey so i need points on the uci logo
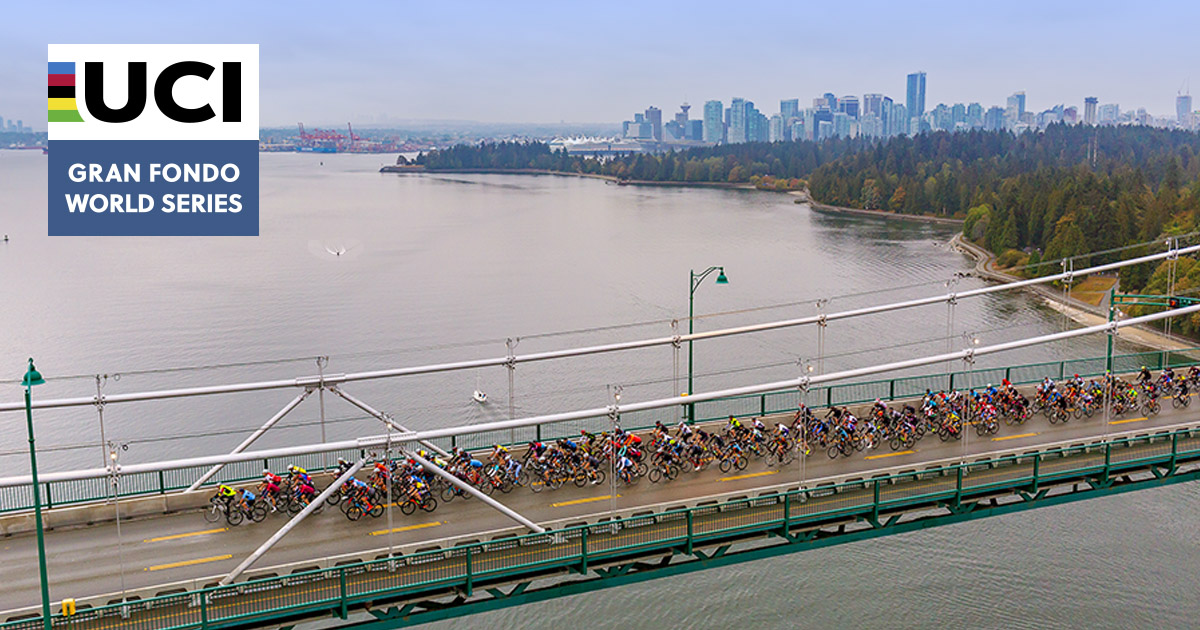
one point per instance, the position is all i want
(138, 89)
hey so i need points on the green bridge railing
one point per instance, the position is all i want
(434, 573)
(65, 493)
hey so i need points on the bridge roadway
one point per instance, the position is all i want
(84, 562)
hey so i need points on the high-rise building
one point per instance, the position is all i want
(1015, 111)
(899, 122)
(871, 104)
(975, 115)
(737, 120)
(1070, 115)
(824, 130)
(841, 124)
(831, 101)
(797, 130)
(789, 109)
(1183, 109)
(958, 115)
(654, 117)
(885, 115)
(776, 128)
(848, 105)
(993, 119)
(1089, 110)
(1110, 113)
(714, 127)
(756, 124)
(916, 95)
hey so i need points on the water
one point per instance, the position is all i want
(441, 268)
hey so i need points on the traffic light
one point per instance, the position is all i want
(1173, 302)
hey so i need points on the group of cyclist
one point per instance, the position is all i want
(665, 451)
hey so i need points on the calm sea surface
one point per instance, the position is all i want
(441, 268)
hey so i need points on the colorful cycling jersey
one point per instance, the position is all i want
(225, 491)
(248, 496)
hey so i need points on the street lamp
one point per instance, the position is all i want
(696, 280)
(32, 377)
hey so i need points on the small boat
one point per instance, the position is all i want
(479, 396)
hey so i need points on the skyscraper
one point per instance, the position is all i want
(714, 127)
(776, 128)
(1183, 109)
(993, 120)
(654, 117)
(789, 109)
(1089, 110)
(975, 115)
(916, 95)
(737, 120)
(848, 105)
(1016, 108)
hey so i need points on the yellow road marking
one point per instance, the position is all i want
(173, 537)
(1013, 437)
(761, 474)
(1129, 420)
(908, 452)
(405, 529)
(578, 501)
(187, 563)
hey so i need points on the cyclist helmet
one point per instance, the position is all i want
(422, 453)
(342, 461)
(266, 471)
(291, 468)
(1076, 376)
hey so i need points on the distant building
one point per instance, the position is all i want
(824, 130)
(714, 127)
(1110, 113)
(1015, 112)
(789, 109)
(775, 126)
(1089, 110)
(1070, 115)
(958, 115)
(681, 127)
(737, 121)
(1183, 110)
(870, 125)
(848, 105)
(993, 119)
(831, 101)
(798, 131)
(654, 117)
(916, 95)
(842, 125)
(756, 124)
(975, 116)
(942, 118)
(899, 122)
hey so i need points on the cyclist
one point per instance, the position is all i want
(1144, 375)
(247, 499)
(226, 494)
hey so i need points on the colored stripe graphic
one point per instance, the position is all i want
(60, 92)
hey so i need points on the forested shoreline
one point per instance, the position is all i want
(1060, 193)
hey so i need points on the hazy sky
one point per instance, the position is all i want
(328, 62)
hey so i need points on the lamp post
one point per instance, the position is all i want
(696, 280)
(32, 377)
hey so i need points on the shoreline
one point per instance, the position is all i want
(878, 214)
(538, 171)
(1081, 312)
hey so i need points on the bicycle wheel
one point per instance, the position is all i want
(258, 512)
(537, 484)
(599, 476)
(234, 516)
(740, 463)
(354, 513)
(769, 459)
(429, 504)
(296, 506)
(213, 513)
(1187, 400)
(672, 472)
(724, 466)
(832, 452)
(785, 458)
(642, 469)
(408, 507)
(334, 498)
(1154, 407)
(655, 475)
(1177, 402)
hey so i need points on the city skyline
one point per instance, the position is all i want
(538, 62)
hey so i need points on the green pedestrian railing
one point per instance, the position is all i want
(65, 493)
(336, 591)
